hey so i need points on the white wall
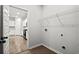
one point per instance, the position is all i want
(48, 18)
(33, 16)
(69, 27)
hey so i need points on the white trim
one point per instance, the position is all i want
(27, 37)
(27, 45)
(52, 49)
(46, 47)
(35, 46)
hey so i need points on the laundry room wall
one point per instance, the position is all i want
(60, 27)
(56, 26)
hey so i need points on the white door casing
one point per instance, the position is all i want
(6, 28)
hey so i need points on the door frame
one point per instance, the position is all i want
(27, 45)
(27, 34)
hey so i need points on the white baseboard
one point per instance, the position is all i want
(52, 49)
(35, 46)
(46, 47)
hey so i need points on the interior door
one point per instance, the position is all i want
(2, 27)
(1, 31)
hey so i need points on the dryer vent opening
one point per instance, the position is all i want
(45, 30)
(63, 47)
(61, 34)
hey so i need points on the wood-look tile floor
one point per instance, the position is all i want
(17, 44)
(38, 50)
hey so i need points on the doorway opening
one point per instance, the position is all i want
(16, 20)
(17, 29)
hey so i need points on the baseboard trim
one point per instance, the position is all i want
(52, 49)
(46, 47)
(35, 46)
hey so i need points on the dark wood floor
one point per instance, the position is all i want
(38, 50)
